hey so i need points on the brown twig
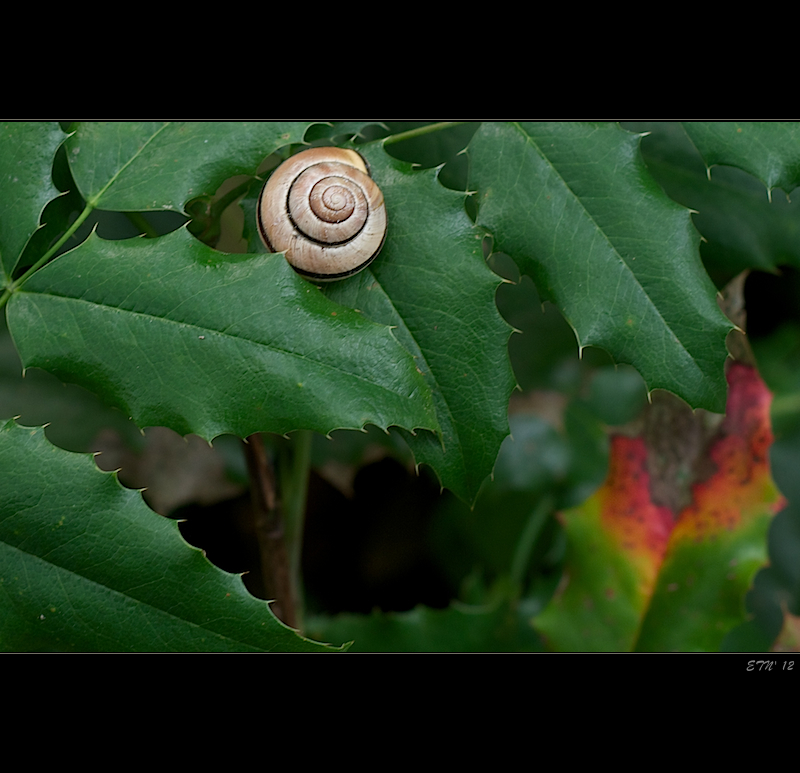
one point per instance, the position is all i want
(270, 531)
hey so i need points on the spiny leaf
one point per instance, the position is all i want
(636, 579)
(26, 162)
(135, 166)
(768, 150)
(431, 282)
(176, 334)
(87, 566)
(741, 227)
(574, 205)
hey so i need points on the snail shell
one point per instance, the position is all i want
(325, 212)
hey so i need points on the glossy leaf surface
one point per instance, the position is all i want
(26, 161)
(139, 166)
(174, 333)
(85, 565)
(432, 284)
(768, 150)
(575, 207)
(742, 227)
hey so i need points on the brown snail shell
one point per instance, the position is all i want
(325, 212)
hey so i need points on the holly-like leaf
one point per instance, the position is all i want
(109, 574)
(742, 228)
(174, 333)
(133, 166)
(574, 205)
(432, 284)
(636, 578)
(768, 150)
(26, 163)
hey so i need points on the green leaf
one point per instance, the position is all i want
(73, 416)
(768, 150)
(741, 227)
(174, 333)
(497, 627)
(574, 205)
(131, 166)
(26, 162)
(431, 282)
(109, 574)
(442, 148)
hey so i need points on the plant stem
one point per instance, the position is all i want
(91, 205)
(140, 222)
(15, 285)
(219, 206)
(270, 531)
(279, 506)
(527, 540)
(421, 131)
(295, 464)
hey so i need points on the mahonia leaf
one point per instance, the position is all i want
(87, 566)
(432, 284)
(742, 229)
(575, 207)
(174, 333)
(768, 150)
(638, 579)
(134, 166)
(26, 163)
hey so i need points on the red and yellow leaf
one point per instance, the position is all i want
(639, 578)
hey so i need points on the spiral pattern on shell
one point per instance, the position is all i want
(325, 212)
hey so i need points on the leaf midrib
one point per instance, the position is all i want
(613, 248)
(221, 333)
(127, 596)
(95, 200)
(390, 301)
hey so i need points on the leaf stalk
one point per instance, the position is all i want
(17, 283)
(527, 540)
(421, 131)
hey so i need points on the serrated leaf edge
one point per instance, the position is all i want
(614, 250)
(174, 526)
(410, 168)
